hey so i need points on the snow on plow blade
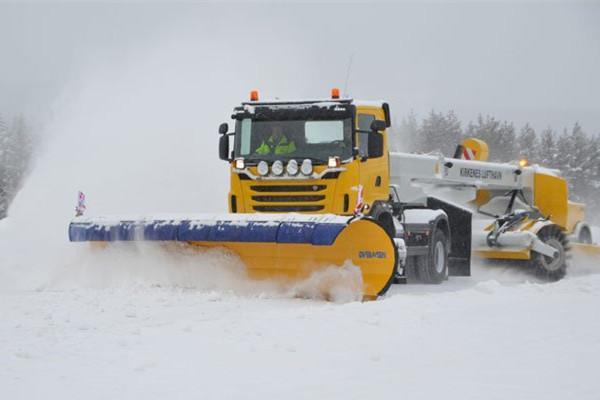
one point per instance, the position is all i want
(271, 246)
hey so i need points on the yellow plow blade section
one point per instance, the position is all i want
(362, 242)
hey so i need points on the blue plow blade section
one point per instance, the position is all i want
(315, 233)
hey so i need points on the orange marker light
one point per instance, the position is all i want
(335, 93)
(523, 163)
(254, 95)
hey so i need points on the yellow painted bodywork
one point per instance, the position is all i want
(550, 195)
(479, 147)
(482, 197)
(586, 249)
(575, 214)
(245, 190)
(502, 254)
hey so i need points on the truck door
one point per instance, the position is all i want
(374, 170)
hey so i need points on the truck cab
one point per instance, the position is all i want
(308, 156)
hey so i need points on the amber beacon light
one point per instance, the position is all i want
(254, 95)
(335, 93)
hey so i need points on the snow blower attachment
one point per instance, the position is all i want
(271, 246)
(520, 212)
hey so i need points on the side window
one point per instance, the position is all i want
(245, 136)
(364, 128)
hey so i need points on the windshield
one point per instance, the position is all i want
(275, 140)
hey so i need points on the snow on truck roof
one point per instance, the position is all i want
(304, 108)
(313, 102)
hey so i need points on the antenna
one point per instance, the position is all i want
(348, 74)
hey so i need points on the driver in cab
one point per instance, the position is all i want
(276, 143)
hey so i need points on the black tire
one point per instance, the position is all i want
(386, 221)
(412, 273)
(434, 267)
(548, 268)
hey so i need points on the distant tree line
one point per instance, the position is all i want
(16, 149)
(573, 152)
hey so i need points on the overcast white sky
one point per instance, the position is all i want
(519, 62)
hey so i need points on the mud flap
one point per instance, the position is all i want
(460, 236)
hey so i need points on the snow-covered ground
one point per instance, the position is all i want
(495, 335)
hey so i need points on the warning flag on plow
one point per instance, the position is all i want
(80, 208)
(359, 202)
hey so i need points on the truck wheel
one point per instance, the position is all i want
(550, 268)
(434, 268)
(386, 221)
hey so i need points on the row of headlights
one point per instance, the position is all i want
(292, 167)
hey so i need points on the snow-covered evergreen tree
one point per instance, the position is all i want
(440, 132)
(592, 171)
(404, 134)
(4, 170)
(547, 152)
(527, 144)
(16, 147)
(500, 137)
(409, 130)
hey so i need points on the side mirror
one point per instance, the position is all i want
(223, 128)
(375, 143)
(224, 147)
(378, 125)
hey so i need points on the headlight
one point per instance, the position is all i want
(306, 168)
(334, 162)
(292, 167)
(263, 168)
(277, 168)
(239, 163)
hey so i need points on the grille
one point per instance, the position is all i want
(286, 199)
(289, 188)
(288, 208)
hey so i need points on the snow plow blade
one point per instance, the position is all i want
(272, 246)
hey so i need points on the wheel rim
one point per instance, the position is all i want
(554, 264)
(439, 257)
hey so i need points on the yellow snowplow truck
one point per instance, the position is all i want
(314, 186)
